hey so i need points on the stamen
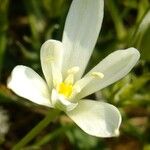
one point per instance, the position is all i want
(73, 70)
(65, 87)
(69, 79)
(79, 85)
(98, 74)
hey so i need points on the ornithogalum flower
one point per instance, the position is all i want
(63, 64)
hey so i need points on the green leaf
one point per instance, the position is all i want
(3, 29)
(142, 35)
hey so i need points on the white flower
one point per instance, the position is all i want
(63, 64)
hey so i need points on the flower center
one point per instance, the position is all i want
(68, 88)
(65, 89)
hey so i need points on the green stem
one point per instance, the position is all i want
(51, 136)
(37, 129)
(3, 29)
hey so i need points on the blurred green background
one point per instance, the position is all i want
(25, 25)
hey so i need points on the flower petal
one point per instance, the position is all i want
(28, 84)
(114, 67)
(61, 103)
(51, 52)
(96, 118)
(81, 31)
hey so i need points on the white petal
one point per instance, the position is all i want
(61, 103)
(81, 31)
(96, 118)
(51, 52)
(26, 83)
(56, 75)
(114, 67)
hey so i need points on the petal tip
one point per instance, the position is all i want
(134, 52)
(10, 78)
(9, 82)
(116, 133)
(52, 41)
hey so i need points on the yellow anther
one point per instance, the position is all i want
(77, 89)
(97, 74)
(69, 79)
(65, 89)
(73, 70)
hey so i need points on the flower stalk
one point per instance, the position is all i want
(37, 129)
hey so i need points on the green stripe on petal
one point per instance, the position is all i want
(96, 118)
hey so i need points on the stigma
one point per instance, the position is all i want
(65, 89)
(68, 88)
